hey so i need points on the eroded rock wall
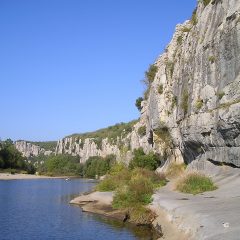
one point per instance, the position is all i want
(199, 75)
(29, 150)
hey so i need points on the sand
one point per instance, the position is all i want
(18, 176)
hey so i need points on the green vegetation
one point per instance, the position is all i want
(138, 103)
(160, 89)
(174, 101)
(195, 183)
(175, 170)
(149, 161)
(186, 29)
(205, 2)
(150, 74)
(162, 132)
(170, 68)
(146, 93)
(12, 159)
(60, 165)
(134, 189)
(199, 104)
(228, 104)
(142, 131)
(194, 17)
(211, 59)
(149, 77)
(184, 102)
(179, 40)
(220, 94)
(97, 166)
(112, 133)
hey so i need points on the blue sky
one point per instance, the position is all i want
(71, 66)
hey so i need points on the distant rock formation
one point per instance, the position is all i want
(29, 149)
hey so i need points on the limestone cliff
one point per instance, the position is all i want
(198, 75)
(192, 107)
(29, 149)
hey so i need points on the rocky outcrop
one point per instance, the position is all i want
(192, 111)
(29, 150)
(122, 146)
(199, 74)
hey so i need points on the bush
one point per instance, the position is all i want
(98, 166)
(119, 176)
(160, 89)
(184, 103)
(163, 133)
(133, 189)
(138, 103)
(174, 101)
(140, 215)
(194, 17)
(170, 68)
(186, 29)
(220, 94)
(179, 40)
(146, 93)
(199, 104)
(205, 2)
(142, 131)
(175, 170)
(150, 74)
(211, 59)
(150, 161)
(195, 183)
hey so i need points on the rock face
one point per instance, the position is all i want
(199, 75)
(29, 150)
(192, 109)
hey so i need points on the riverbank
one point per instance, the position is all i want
(210, 215)
(20, 176)
(99, 203)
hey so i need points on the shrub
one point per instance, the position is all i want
(175, 170)
(170, 68)
(179, 40)
(160, 89)
(107, 185)
(174, 101)
(205, 2)
(150, 74)
(157, 179)
(150, 161)
(119, 175)
(163, 133)
(184, 103)
(211, 59)
(140, 215)
(220, 94)
(199, 104)
(98, 142)
(133, 190)
(195, 183)
(138, 103)
(194, 17)
(186, 29)
(142, 131)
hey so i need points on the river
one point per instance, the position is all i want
(40, 209)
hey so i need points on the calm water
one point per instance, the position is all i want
(39, 209)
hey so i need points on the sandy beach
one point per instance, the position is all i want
(18, 176)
